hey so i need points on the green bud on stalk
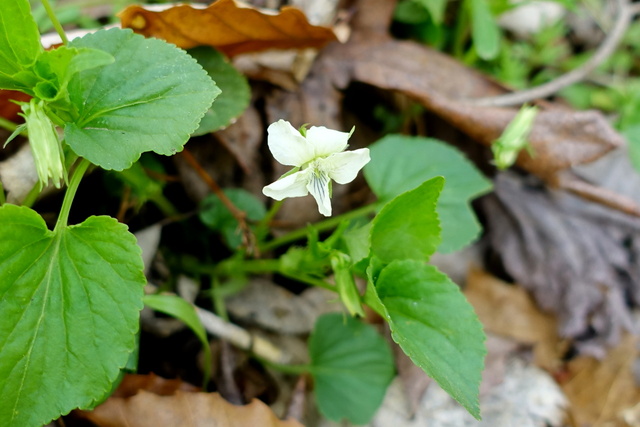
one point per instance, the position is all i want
(45, 144)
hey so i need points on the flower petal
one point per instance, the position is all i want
(343, 167)
(294, 185)
(287, 145)
(318, 186)
(327, 141)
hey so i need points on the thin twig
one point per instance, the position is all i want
(240, 337)
(234, 334)
(601, 195)
(626, 11)
(248, 239)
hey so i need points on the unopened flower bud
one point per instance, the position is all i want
(45, 144)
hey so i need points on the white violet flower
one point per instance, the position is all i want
(318, 156)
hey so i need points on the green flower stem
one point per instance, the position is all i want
(287, 369)
(327, 224)
(165, 205)
(8, 124)
(258, 266)
(309, 280)
(74, 182)
(272, 212)
(461, 30)
(3, 199)
(32, 195)
(55, 22)
(218, 300)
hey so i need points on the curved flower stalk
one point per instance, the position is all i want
(318, 157)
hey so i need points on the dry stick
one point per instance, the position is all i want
(626, 12)
(247, 236)
(296, 407)
(234, 334)
(598, 194)
(241, 338)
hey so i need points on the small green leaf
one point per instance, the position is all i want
(351, 366)
(408, 226)
(19, 41)
(143, 187)
(236, 92)
(177, 307)
(70, 302)
(357, 242)
(436, 9)
(400, 163)
(484, 29)
(215, 215)
(411, 12)
(150, 99)
(436, 327)
(57, 66)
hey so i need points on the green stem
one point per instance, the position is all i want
(167, 208)
(287, 369)
(8, 124)
(461, 29)
(74, 182)
(55, 22)
(263, 266)
(3, 199)
(272, 212)
(327, 224)
(218, 299)
(32, 195)
(248, 266)
(309, 280)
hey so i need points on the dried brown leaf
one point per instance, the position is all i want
(578, 259)
(132, 384)
(228, 26)
(509, 311)
(600, 391)
(183, 409)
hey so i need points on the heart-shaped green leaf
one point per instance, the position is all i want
(19, 42)
(150, 99)
(408, 226)
(435, 326)
(351, 366)
(401, 163)
(70, 303)
(236, 92)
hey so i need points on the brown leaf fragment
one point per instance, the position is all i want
(601, 392)
(509, 311)
(183, 410)
(131, 384)
(229, 26)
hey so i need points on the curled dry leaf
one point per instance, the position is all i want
(578, 259)
(183, 409)
(228, 26)
(132, 384)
